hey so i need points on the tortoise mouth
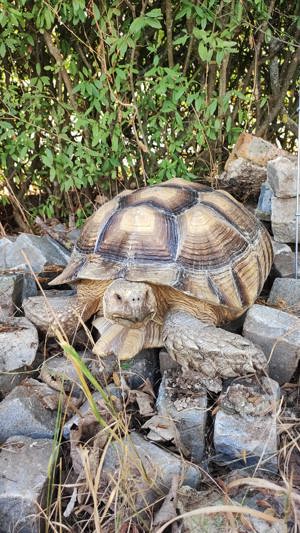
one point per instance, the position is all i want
(132, 322)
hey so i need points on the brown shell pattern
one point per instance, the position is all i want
(181, 234)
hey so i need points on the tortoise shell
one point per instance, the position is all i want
(180, 234)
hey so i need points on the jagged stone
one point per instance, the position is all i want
(283, 219)
(282, 177)
(216, 522)
(182, 410)
(144, 366)
(284, 264)
(38, 251)
(278, 334)
(23, 472)
(116, 397)
(255, 149)
(285, 293)
(243, 179)
(59, 373)
(23, 412)
(264, 204)
(144, 470)
(245, 431)
(13, 289)
(166, 362)
(18, 350)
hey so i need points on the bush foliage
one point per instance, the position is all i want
(102, 95)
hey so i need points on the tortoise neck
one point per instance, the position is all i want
(170, 298)
(90, 295)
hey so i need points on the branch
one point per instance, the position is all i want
(55, 52)
(169, 27)
(287, 76)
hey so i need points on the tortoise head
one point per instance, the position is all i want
(129, 303)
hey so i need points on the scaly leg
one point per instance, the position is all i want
(211, 351)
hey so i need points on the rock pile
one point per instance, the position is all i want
(160, 424)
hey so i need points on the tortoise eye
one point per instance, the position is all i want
(118, 297)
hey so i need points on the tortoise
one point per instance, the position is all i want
(164, 266)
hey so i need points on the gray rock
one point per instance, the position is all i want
(264, 204)
(143, 366)
(283, 219)
(23, 412)
(43, 309)
(278, 334)
(59, 372)
(286, 294)
(243, 178)
(18, 349)
(245, 432)
(23, 473)
(284, 264)
(38, 251)
(115, 398)
(282, 177)
(146, 469)
(182, 409)
(166, 362)
(190, 499)
(13, 289)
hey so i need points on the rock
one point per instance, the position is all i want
(166, 362)
(256, 150)
(18, 349)
(216, 522)
(283, 219)
(44, 308)
(285, 293)
(264, 204)
(59, 373)
(13, 289)
(243, 179)
(144, 469)
(23, 472)
(182, 410)
(284, 264)
(245, 432)
(23, 412)
(282, 177)
(39, 251)
(115, 395)
(278, 334)
(144, 366)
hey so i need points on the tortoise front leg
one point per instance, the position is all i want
(211, 351)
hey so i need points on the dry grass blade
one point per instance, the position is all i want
(243, 510)
(263, 484)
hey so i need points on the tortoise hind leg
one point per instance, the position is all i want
(52, 313)
(210, 351)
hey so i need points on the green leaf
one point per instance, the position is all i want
(137, 25)
(211, 108)
(96, 11)
(203, 52)
(154, 23)
(114, 143)
(2, 49)
(154, 13)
